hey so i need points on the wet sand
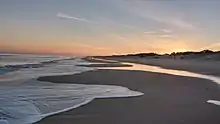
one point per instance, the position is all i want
(207, 67)
(107, 65)
(167, 99)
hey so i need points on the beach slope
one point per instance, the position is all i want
(167, 99)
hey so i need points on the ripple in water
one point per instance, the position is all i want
(24, 100)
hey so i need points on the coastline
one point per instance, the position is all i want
(196, 66)
(167, 99)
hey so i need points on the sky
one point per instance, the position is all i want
(106, 27)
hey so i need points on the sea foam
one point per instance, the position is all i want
(30, 103)
(24, 100)
(215, 102)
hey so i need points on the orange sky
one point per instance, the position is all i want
(106, 27)
(128, 46)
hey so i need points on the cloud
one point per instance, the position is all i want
(181, 24)
(166, 31)
(177, 22)
(150, 32)
(118, 37)
(161, 33)
(86, 46)
(107, 22)
(62, 15)
(111, 22)
(165, 36)
(213, 46)
(156, 32)
(168, 18)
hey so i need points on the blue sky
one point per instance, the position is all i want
(101, 27)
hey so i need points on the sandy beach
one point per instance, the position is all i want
(207, 67)
(110, 62)
(167, 99)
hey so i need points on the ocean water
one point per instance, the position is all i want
(5, 70)
(24, 100)
(22, 59)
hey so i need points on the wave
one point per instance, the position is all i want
(13, 60)
(215, 102)
(24, 100)
(30, 103)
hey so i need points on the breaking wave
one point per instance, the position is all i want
(24, 100)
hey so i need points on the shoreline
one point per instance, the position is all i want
(167, 98)
(201, 67)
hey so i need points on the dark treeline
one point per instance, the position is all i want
(204, 54)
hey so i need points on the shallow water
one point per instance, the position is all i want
(24, 100)
(5, 70)
(140, 67)
(27, 104)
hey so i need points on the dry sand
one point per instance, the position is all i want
(167, 99)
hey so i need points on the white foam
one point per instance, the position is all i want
(214, 102)
(30, 103)
(24, 100)
(64, 67)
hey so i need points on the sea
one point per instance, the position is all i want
(25, 100)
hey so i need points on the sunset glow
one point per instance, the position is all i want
(108, 27)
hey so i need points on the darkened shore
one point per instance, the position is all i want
(207, 67)
(167, 99)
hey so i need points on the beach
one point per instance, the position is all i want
(110, 62)
(167, 99)
(207, 67)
